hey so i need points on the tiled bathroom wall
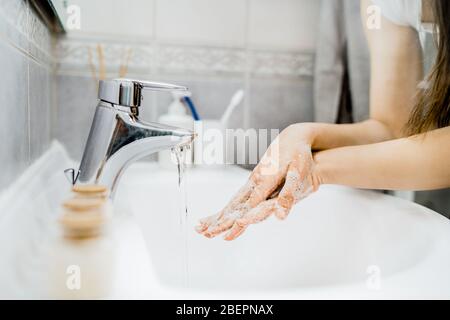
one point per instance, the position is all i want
(25, 88)
(215, 47)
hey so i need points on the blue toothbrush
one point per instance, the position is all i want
(192, 108)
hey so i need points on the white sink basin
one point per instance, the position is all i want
(337, 243)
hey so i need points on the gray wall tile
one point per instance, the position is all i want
(14, 22)
(76, 99)
(39, 104)
(211, 95)
(24, 88)
(75, 107)
(275, 104)
(14, 149)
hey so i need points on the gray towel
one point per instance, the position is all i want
(341, 48)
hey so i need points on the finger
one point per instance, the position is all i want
(211, 226)
(294, 186)
(239, 203)
(218, 228)
(233, 211)
(275, 194)
(201, 227)
(258, 188)
(225, 222)
(260, 213)
(250, 196)
(204, 223)
(265, 186)
(241, 196)
(256, 215)
(235, 232)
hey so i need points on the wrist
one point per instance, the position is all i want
(305, 132)
(323, 168)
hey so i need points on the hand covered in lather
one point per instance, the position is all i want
(284, 176)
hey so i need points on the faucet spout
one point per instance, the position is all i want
(117, 139)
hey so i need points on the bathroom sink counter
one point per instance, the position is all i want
(339, 243)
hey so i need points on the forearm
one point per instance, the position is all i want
(396, 70)
(416, 163)
(323, 136)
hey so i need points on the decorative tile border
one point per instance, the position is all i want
(16, 13)
(20, 26)
(81, 56)
(173, 58)
(40, 38)
(14, 23)
(291, 64)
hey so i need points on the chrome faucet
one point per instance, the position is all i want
(118, 138)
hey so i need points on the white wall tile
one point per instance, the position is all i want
(283, 24)
(132, 18)
(213, 22)
(266, 24)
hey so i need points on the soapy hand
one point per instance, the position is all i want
(284, 176)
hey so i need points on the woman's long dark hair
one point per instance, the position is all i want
(432, 109)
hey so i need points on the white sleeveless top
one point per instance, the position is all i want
(405, 13)
(409, 13)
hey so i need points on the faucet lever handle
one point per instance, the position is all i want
(159, 86)
(128, 92)
(72, 175)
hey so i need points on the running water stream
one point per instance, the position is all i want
(180, 155)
